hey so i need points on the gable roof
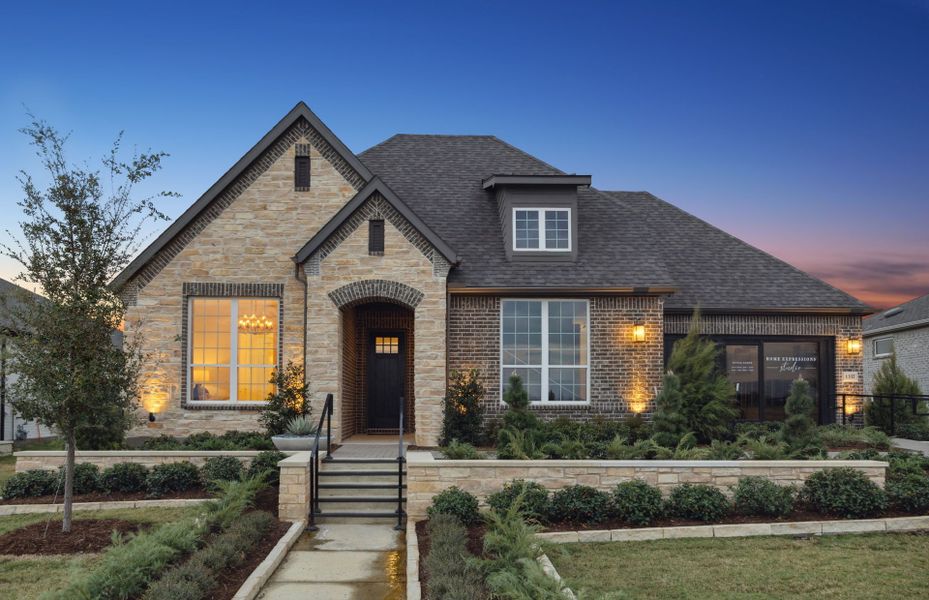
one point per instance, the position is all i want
(11, 296)
(440, 179)
(300, 111)
(914, 313)
(373, 187)
(717, 271)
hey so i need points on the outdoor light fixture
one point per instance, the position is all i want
(151, 417)
(638, 332)
(854, 346)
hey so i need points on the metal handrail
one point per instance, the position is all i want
(914, 400)
(400, 461)
(314, 460)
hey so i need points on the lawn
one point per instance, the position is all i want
(7, 468)
(835, 567)
(19, 575)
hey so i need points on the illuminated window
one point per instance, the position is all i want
(386, 345)
(233, 348)
(545, 342)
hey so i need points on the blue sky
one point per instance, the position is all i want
(799, 126)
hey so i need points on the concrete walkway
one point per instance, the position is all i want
(342, 562)
(913, 445)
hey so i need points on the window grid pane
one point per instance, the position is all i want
(557, 234)
(527, 229)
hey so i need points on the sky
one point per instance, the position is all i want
(799, 126)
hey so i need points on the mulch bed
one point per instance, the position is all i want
(267, 499)
(87, 536)
(231, 580)
(103, 497)
(475, 545)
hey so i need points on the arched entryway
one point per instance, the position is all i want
(378, 349)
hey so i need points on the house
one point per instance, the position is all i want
(902, 330)
(11, 426)
(425, 253)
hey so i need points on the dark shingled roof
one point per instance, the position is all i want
(627, 239)
(11, 295)
(912, 313)
(439, 177)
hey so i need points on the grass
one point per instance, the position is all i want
(19, 575)
(39, 444)
(870, 566)
(7, 468)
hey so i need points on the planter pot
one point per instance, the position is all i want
(297, 443)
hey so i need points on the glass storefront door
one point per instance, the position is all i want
(784, 363)
(742, 368)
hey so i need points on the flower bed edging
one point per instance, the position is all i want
(549, 569)
(262, 573)
(52, 459)
(413, 587)
(23, 509)
(737, 530)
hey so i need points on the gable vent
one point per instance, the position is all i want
(302, 168)
(376, 237)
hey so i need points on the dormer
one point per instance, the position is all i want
(538, 214)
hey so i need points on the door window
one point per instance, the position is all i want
(742, 368)
(784, 363)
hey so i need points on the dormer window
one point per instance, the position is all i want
(542, 229)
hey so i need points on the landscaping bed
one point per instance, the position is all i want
(86, 536)
(230, 580)
(192, 494)
(475, 544)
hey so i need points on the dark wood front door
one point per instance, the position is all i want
(386, 363)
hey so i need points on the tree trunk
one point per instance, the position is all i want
(69, 484)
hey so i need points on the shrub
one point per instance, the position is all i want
(172, 477)
(843, 492)
(579, 504)
(763, 497)
(163, 442)
(909, 493)
(124, 477)
(918, 430)
(452, 574)
(533, 499)
(799, 426)
(670, 423)
(221, 468)
(234, 498)
(455, 502)
(32, 483)
(720, 450)
(566, 448)
(288, 400)
(904, 463)
(890, 380)
(463, 414)
(519, 444)
(517, 415)
(757, 429)
(86, 478)
(231, 440)
(707, 394)
(266, 463)
(697, 502)
(636, 502)
(764, 448)
(461, 451)
(836, 436)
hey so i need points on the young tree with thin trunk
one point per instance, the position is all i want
(77, 233)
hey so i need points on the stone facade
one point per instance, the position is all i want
(624, 374)
(426, 476)
(912, 349)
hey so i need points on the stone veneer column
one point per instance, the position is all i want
(294, 499)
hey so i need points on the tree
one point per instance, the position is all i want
(288, 400)
(669, 422)
(890, 380)
(800, 425)
(77, 234)
(707, 393)
(463, 411)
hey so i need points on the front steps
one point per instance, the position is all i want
(359, 490)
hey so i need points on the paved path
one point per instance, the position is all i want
(911, 445)
(342, 562)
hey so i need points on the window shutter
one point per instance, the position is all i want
(376, 237)
(302, 173)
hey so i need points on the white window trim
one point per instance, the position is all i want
(541, 220)
(233, 353)
(545, 365)
(883, 354)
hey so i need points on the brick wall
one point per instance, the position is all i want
(624, 374)
(912, 349)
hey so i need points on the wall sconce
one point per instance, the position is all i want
(853, 346)
(638, 332)
(151, 417)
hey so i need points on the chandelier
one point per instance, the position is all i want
(253, 324)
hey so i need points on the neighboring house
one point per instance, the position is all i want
(11, 426)
(902, 330)
(426, 253)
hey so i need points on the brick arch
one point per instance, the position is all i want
(374, 290)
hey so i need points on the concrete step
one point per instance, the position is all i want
(357, 503)
(372, 476)
(355, 490)
(355, 516)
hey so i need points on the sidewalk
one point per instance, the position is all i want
(342, 562)
(913, 445)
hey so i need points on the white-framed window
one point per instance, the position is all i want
(883, 347)
(542, 229)
(232, 348)
(546, 343)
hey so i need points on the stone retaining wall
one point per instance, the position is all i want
(52, 459)
(294, 497)
(427, 476)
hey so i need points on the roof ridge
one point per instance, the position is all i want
(752, 246)
(524, 153)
